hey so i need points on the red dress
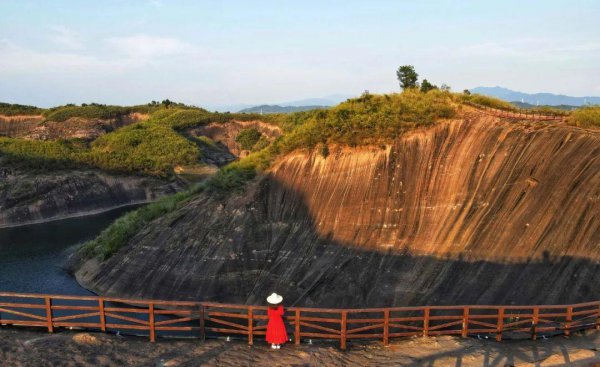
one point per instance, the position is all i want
(276, 333)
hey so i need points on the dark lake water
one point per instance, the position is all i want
(31, 257)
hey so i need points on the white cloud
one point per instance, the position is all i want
(65, 37)
(145, 46)
(531, 48)
(17, 59)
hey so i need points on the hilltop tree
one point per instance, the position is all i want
(426, 86)
(407, 76)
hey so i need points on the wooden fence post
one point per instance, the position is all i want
(102, 315)
(534, 322)
(297, 328)
(250, 325)
(386, 327)
(343, 330)
(426, 322)
(568, 321)
(151, 322)
(465, 325)
(500, 324)
(201, 319)
(48, 303)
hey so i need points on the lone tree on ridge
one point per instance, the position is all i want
(407, 76)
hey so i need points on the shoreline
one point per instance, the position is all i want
(76, 215)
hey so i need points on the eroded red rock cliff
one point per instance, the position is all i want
(473, 210)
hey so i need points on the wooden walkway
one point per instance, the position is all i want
(201, 319)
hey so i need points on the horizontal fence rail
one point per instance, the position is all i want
(520, 113)
(207, 319)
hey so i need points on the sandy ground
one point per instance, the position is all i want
(20, 347)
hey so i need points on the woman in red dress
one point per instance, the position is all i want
(276, 333)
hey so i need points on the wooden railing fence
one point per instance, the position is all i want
(520, 113)
(202, 319)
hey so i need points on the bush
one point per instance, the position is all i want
(586, 117)
(8, 109)
(247, 138)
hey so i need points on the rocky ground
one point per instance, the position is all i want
(35, 348)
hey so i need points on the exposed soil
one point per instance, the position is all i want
(36, 348)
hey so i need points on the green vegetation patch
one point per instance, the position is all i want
(371, 119)
(8, 109)
(248, 138)
(146, 147)
(586, 117)
(43, 155)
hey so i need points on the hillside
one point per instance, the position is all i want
(72, 160)
(384, 200)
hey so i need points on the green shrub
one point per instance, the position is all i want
(247, 138)
(8, 109)
(586, 117)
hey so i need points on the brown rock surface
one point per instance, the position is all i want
(476, 210)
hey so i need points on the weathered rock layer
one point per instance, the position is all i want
(30, 197)
(476, 210)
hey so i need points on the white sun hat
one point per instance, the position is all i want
(274, 299)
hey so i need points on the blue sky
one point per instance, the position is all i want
(213, 53)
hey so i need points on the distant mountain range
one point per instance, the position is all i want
(535, 98)
(267, 108)
(304, 104)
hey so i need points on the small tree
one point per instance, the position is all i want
(407, 76)
(426, 86)
(467, 92)
(445, 87)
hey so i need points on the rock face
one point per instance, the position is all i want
(29, 197)
(476, 210)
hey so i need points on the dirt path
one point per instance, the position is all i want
(33, 348)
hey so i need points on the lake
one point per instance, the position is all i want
(32, 256)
